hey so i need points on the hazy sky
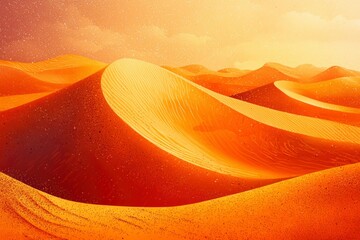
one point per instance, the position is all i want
(217, 34)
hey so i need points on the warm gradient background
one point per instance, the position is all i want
(217, 34)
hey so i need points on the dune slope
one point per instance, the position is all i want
(341, 94)
(321, 205)
(221, 133)
(71, 144)
(272, 97)
(65, 69)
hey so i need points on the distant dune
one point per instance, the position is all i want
(304, 71)
(230, 81)
(72, 68)
(334, 72)
(21, 83)
(15, 82)
(272, 97)
(332, 94)
(321, 205)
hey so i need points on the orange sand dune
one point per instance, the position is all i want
(14, 82)
(234, 71)
(77, 129)
(303, 72)
(263, 76)
(221, 133)
(322, 205)
(342, 94)
(13, 101)
(71, 144)
(230, 82)
(272, 97)
(72, 68)
(334, 72)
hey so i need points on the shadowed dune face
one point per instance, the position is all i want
(321, 205)
(71, 144)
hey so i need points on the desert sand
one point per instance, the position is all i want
(321, 205)
(175, 154)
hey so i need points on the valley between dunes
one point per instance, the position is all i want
(180, 153)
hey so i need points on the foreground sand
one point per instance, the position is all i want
(323, 205)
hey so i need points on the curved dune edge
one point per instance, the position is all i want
(324, 203)
(286, 88)
(66, 69)
(13, 101)
(132, 87)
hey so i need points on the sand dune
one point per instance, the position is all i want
(14, 82)
(334, 72)
(234, 71)
(135, 134)
(191, 133)
(304, 71)
(13, 101)
(342, 94)
(72, 68)
(71, 144)
(321, 205)
(220, 133)
(335, 90)
(229, 81)
(271, 97)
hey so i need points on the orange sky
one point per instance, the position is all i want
(217, 34)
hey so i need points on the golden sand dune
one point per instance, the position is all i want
(229, 81)
(234, 71)
(14, 82)
(334, 72)
(71, 144)
(219, 133)
(304, 71)
(13, 101)
(341, 94)
(271, 97)
(22, 83)
(321, 205)
(65, 69)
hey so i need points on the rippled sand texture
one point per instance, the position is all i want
(181, 153)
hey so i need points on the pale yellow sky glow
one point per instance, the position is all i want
(217, 34)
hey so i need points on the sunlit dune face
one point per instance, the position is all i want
(220, 133)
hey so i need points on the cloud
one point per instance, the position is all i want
(74, 33)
